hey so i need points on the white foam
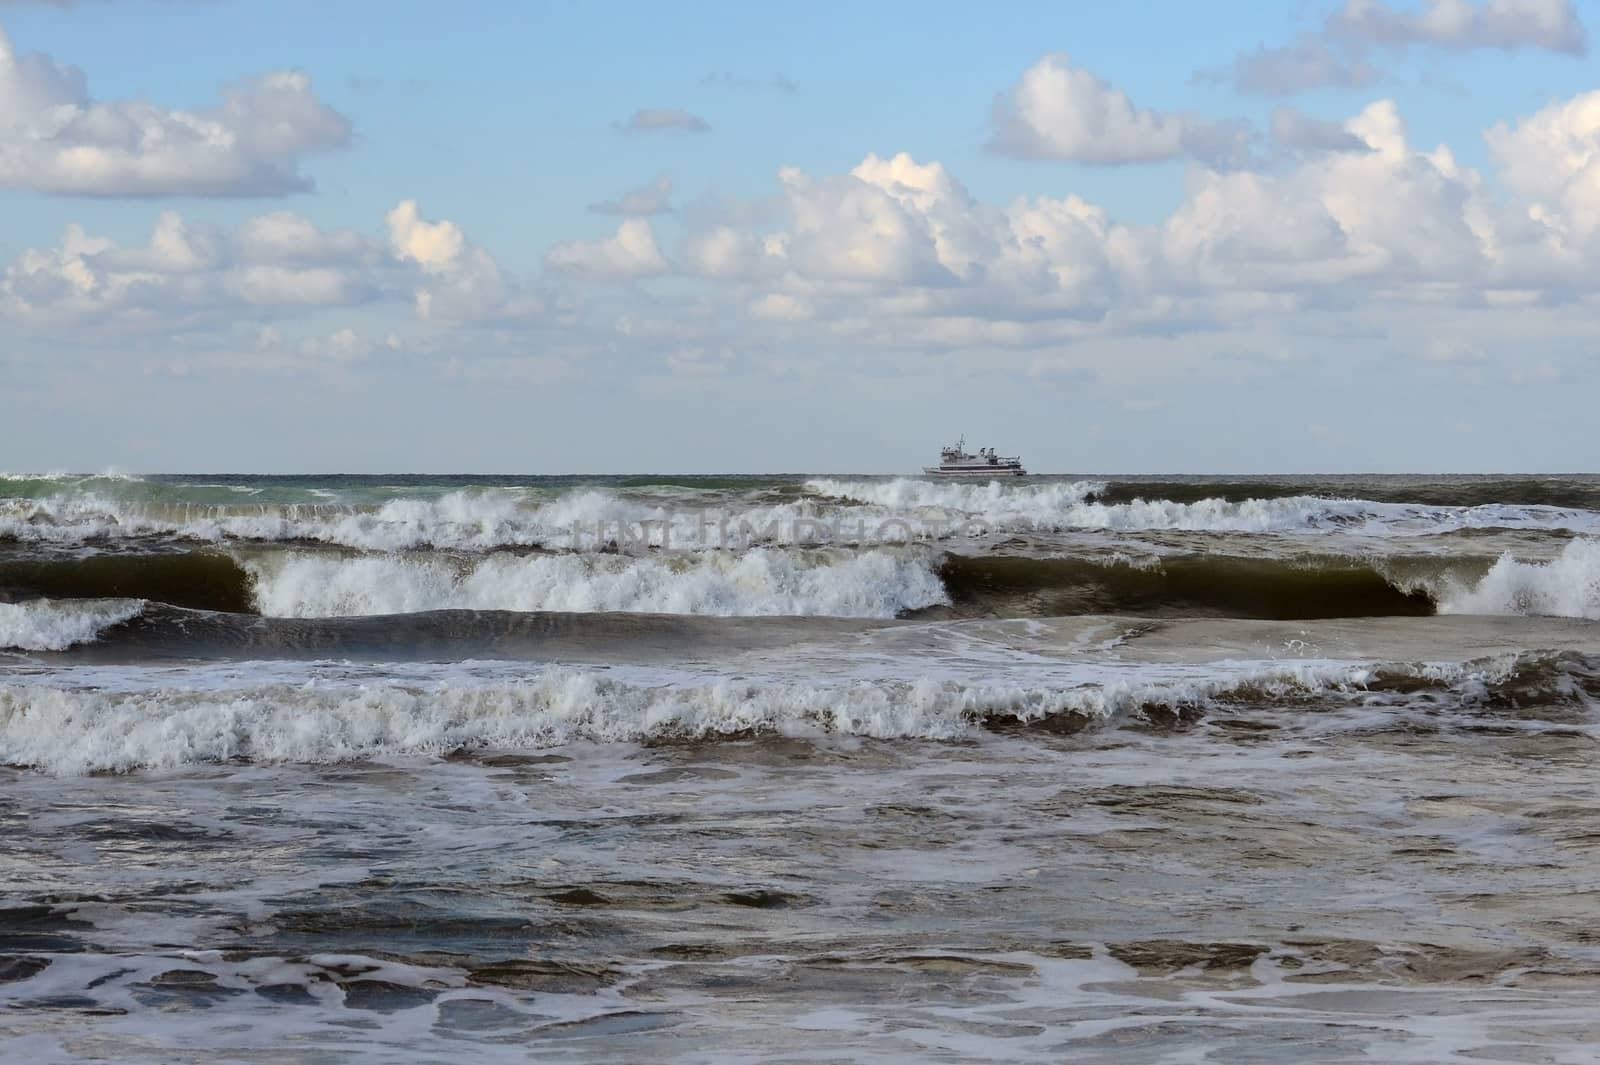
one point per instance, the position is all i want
(99, 720)
(996, 500)
(1566, 586)
(51, 625)
(869, 584)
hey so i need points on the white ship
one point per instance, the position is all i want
(954, 461)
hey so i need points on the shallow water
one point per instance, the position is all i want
(1246, 885)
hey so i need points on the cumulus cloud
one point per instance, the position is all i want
(55, 138)
(630, 253)
(1552, 157)
(649, 200)
(271, 266)
(434, 246)
(1353, 214)
(1338, 54)
(460, 281)
(1058, 111)
(1389, 215)
(910, 235)
(182, 270)
(863, 226)
(651, 120)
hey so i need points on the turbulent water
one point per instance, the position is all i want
(799, 769)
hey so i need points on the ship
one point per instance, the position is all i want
(955, 461)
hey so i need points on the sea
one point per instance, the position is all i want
(791, 768)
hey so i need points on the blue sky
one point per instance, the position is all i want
(1104, 245)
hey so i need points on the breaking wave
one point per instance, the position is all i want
(119, 721)
(96, 728)
(47, 625)
(868, 584)
(1565, 586)
(811, 582)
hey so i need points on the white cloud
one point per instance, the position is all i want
(56, 139)
(192, 275)
(182, 271)
(1553, 158)
(640, 202)
(655, 119)
(630, 253)
(1356, 228)
(908, 234)
(1390, 215)
(460, 282)
(897, 250)
(434, 246)
(1058, 111)
(851, 228)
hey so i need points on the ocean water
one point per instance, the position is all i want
(799, 769)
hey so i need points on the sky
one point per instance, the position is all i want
(1321, 236)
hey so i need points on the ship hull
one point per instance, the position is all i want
(974, 471)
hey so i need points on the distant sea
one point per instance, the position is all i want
(799, 768)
